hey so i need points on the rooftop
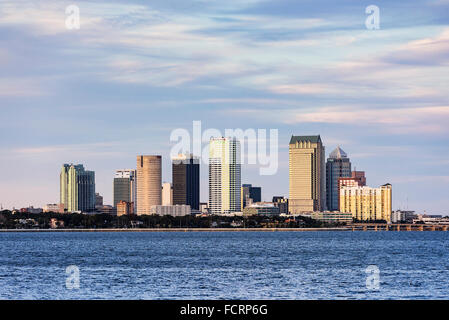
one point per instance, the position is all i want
(312, 139)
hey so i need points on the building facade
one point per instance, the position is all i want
(331, 217)
(261, 208)
(175, 210)
(250, 195)
(307, 183)
(125, 186)
(149, 185)
(125, 208)
(337, 166)
(367, 204)
(281, 203)
(53, 207)
(224, 176)
(77, 188)
(167, 194)
(357, 179)
(186, 180)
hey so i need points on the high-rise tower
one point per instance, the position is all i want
(149, 183)
(186, 180)
(337, 166)
(125, 187)
(77, 188)
(307, 174)
(224, 175)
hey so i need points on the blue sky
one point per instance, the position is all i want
(136, 70)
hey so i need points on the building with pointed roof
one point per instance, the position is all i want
(338, 166)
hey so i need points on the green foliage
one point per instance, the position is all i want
(23, 220)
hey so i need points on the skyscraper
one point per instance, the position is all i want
(125, 186)
(307, 186)
(149, 188)
(186, 180)
(337, 166)
(77, 188)
(224, 175)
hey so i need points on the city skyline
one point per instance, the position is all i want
(227, 147)
(84, 96)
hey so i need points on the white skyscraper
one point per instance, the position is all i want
(224, 175)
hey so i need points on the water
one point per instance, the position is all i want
(228, 265)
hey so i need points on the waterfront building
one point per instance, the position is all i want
(125, 208)
(105, 209)
(281, 203)
(186, 180)
(31, 209)
(250, 195)
(367, 203)
(307, 184)
(125, 186)
(167, 194)
(77, 188)
(399, 216)
(53, 207)
(149, 186)
(330, 216)
(177, 210)
(338, 166)
(261, 208)
(224, 175)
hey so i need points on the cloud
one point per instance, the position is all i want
(427, 51)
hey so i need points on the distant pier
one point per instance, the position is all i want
(398, 227)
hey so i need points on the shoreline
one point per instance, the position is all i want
(180, 230)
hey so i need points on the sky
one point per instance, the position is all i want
(135, 71)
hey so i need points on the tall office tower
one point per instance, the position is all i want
(224, 175)
(307, 174)
(149, 180)
(167, 194)
(186, 180)
(77, 188)
(250, 195)
(125, 186)
(337, 166)
(367, 203)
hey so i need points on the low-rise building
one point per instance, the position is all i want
(54, 207)
(330, 216)
(125, 208)
(177, 210)
(400, 216)
(105, 209)
(281, 203)
(31, 209)
(261, 208)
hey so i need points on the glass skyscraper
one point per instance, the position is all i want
(186, 180)
(77, 188)
(337, 166)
